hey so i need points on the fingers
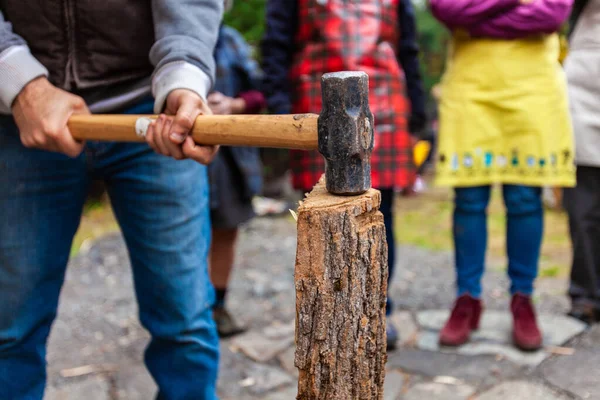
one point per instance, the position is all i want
(57, 140)
(39, 139)
(186, 106)
(174, 149)
(202, 154)
(150, 137)
(157, 136)
(42, 112)
(184, 121)
(156, 139)
(159, 139)
(79, 106)
(67, 145)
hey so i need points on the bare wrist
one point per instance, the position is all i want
(32, 88)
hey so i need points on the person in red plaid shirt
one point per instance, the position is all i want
(307, 38)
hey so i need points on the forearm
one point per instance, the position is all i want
(538, 17)
(464, 13)
(186, 35)
(17, 66)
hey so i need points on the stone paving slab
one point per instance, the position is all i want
(286, 394)
(263, 379)
(394, 383)
(259, 347)
(97, 325)
(406, 325)
(590, 339)
(479, 371)
(287, 359)
(94, 388)
(439, 391)
(578, 373)
(429, 340)
(494, 336)
(133, 382)
(520, 390)
(496, 326)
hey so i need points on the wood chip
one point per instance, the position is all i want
(247, 382)
(561, 351)
(447, 380)
(86, 370)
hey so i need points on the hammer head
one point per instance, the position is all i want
(346, 132)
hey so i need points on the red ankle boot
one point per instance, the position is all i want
(464, 319)
(526, 334)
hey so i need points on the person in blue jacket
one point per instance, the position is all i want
(235, 174)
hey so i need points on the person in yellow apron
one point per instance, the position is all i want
(504, 119)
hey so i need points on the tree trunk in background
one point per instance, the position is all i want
(341, 285)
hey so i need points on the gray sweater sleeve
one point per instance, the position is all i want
(17, 66)
(186, 34)
(7, 37)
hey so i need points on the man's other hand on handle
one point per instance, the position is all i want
(169, 134)
(41, 112)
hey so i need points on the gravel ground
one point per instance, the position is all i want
(96, 345)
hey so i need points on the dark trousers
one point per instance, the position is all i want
(386, 208)
(583, 206)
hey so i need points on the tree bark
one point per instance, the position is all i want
(341, 287)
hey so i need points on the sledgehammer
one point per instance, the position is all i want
(343, 132)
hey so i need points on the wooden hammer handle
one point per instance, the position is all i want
(279, 131)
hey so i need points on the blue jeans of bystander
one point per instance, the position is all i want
(524, 229)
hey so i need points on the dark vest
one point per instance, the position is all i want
(86, 43)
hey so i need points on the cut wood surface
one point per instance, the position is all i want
(341, 284)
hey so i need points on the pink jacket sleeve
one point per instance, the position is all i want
(464, 13)
(540, 16)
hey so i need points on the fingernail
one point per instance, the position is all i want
(177, 137)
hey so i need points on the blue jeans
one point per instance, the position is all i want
(525, 225)
(162, 207)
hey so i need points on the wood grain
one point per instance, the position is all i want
(277, 131)
(341, 284)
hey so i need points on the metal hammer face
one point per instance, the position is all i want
(345, 130)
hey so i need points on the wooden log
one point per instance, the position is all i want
(341, 286)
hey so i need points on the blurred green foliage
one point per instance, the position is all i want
(433, 41)
(248, 17)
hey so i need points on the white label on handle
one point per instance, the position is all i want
(141, 126)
